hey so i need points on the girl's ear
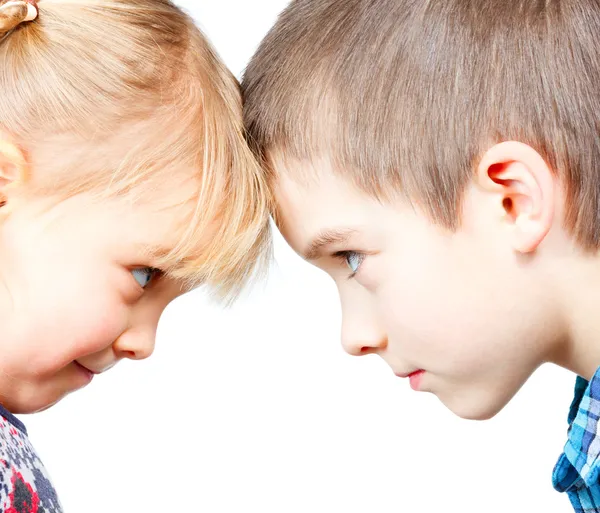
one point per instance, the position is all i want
(13, 168)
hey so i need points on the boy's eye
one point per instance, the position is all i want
(353, 260)
(144, 275)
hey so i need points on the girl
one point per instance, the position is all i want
(124, 182)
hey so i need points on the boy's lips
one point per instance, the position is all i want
(407, 374)
(414, 377)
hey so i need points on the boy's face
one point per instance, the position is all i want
(78, 292)
(459, 306)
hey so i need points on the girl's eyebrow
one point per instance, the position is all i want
(156, 252)
(318, 246)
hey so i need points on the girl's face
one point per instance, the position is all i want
(79, 291)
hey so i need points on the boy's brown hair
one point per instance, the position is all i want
(128, 98)
(404, 96)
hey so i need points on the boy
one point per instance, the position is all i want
(440, 161)
(125, 180)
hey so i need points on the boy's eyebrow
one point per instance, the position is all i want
(324, 239)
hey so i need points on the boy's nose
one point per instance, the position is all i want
(360, 346)
(362, 331)
(361, 336)
(135, 344)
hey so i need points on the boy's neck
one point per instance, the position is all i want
(579, 294)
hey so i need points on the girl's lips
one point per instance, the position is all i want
(88, 373)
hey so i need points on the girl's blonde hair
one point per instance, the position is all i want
(121, 97)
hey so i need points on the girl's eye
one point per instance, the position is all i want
(144, 275)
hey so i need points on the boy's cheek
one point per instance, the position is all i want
(435, 331)
(467, 366)
(488, 393)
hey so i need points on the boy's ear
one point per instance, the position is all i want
(525, 187)
(13, 168)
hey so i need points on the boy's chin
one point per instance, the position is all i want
(475, 408)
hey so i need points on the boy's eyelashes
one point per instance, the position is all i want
(352, 259)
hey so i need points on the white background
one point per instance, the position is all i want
(258, 409)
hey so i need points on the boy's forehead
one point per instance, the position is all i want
(324, 204)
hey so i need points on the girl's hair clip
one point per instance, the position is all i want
(15, 12)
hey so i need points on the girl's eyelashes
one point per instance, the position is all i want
(144, 276)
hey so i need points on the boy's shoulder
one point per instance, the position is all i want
(24, 482)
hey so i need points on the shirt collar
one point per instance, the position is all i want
(12, 419)
(579, 464)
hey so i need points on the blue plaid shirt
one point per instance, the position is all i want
(577, 471)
